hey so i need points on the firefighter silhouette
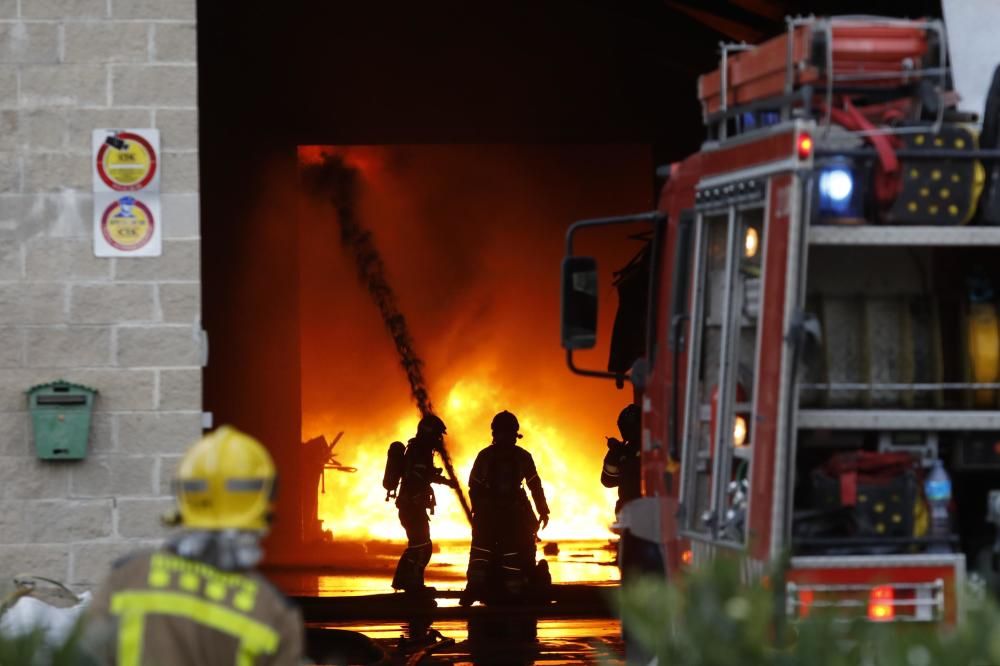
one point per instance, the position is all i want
(504, 526)
(414, 500)
(622, 463)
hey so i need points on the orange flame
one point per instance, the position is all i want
(353, 504)
(472, 237)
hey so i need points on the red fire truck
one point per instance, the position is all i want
(820, 346)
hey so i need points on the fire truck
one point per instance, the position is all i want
(812, 328)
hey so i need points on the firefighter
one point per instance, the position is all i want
(198, 600)
(622, 463)
(504, 526)
(623, 469)
(415, 498)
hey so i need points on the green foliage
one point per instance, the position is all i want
(31, 650)
(711, 618)
(21, 649)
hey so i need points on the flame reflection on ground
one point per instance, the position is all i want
(557, 642)
(577, 562)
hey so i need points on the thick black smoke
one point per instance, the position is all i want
(337, 180)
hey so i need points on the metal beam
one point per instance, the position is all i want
(728, 27)
(774, 11)
(872, 234)
(898, 419)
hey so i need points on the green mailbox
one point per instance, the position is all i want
(60, 419)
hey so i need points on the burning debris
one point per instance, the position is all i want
(317, 457)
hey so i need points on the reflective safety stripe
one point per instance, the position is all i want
(611, 470)
(255, 637)
(245, 485)
(511, 568)
(485, 550)
(531, 479)
(419, 545)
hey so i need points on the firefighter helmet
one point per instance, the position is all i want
(432, 425)
(505, 422)
(630, 423)
(225, 481)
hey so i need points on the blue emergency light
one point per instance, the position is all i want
(836, 187)
(840, 190)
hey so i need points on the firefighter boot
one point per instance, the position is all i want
(409, 574)
(475, 589)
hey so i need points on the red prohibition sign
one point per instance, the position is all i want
(111, 182)
(113, 242)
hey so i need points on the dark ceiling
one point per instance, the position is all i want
(459, 71)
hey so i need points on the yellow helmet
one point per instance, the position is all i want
(225, 481)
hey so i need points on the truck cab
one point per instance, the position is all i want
(822, 338)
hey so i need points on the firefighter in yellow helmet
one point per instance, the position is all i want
(197, 600)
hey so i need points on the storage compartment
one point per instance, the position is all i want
(824, 524)
(903, 327)
(908, 364)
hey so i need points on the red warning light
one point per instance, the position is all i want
(880, 604)
(806, 599)
(805, 146)
(687, 557)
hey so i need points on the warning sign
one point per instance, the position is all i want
(126, 226)
(126, 160)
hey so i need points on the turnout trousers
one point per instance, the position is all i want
(410, 569)
(502, 556)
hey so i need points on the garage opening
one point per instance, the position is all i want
(479, 145)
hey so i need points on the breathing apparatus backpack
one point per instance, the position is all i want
(393, 469)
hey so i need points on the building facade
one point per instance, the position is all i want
(128, 327)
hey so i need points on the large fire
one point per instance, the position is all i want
(472, 237)
(353, 505)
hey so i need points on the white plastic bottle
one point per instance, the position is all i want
(937, 488)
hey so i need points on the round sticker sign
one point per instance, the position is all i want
(127, 224)
(126, 162)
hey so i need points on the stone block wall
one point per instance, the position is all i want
(129, 327)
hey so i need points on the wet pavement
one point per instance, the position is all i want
(513, 640)
(359, 610)
(355, 569)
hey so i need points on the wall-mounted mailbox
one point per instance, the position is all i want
(60, 419)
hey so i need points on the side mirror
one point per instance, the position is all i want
(579, 303)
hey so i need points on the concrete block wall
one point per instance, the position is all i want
(128, 327)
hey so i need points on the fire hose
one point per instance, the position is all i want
(455, 484)
(339, 181)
